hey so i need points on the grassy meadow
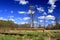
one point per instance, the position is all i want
(35, 35)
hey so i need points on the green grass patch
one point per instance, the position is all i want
(29, 36)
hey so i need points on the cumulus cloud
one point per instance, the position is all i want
(19, 19)
(44, 13)
(23, 2)
(41, 21)
(53, 22)
(50, 10)
(35, 22)
(41, 17)
(22, 12)
(26, 18)
(50, 17)
(22, 19)
(31, 12)
(40, 9)
(1, 18)
(11, 18)
(47, 17)
(52, 3)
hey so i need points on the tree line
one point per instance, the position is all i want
(56, 26)
(11, 24)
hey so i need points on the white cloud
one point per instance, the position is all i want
(40, 9)
(1, 18)
(31, 12)
(50, 17)
(23, 2)
(53, 22)
(52, 3)
(45, 13)
(35, 21)
(47, 17)
(41, 17)
(22, 12)
(19, 18)
(11, 19)
(26, 18)
(22, 23)
(50, 10)
(11, 16)
(41, 21)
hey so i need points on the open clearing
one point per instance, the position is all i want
(31, 35)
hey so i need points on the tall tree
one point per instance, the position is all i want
(57, 25)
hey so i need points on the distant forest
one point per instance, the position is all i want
(11, 24)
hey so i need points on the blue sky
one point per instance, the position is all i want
(18, 10)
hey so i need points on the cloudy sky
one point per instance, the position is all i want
(18, 10)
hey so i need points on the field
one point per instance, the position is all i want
(33, 35)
